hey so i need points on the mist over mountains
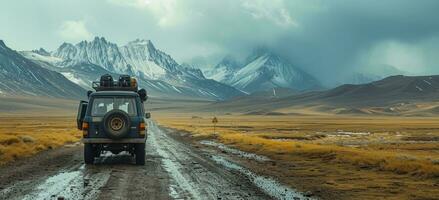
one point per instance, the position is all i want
(69, 70)
(263, 70)
(162, 76)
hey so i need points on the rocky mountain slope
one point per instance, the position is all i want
(224, 70)
(20, 76)
(157, 72)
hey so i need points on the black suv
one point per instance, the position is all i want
(114, 119)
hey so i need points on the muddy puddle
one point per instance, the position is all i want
(80, 183)
(237, 152)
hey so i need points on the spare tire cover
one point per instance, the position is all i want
(116, 124)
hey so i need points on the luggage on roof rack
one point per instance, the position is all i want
(124, 83)
(106, 80)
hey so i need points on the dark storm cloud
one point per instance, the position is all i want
(329, 39)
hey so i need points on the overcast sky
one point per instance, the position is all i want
(325, 38)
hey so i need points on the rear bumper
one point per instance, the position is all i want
(111, 141)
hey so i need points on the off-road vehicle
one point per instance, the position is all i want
(113, 119)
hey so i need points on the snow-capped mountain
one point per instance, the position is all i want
(20, 76)
(145, 58)
(98, 52)
(264, 70)
(157, 71)
(41, 55)
(138, 57)
(224, 70)
(41, 51)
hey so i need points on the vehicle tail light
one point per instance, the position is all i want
(85, 127)
(142, 129)
(142, 126)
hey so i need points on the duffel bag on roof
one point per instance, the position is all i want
(106, 81)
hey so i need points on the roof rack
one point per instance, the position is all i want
(115, 87)
(124, 83)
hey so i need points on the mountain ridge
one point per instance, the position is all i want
(21, 76)
(156, 70)
(385, 96)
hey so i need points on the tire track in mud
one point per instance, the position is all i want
(70, 180)
(195, 176)
(76, 183)
(183, 186)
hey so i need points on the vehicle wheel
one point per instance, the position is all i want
(140, 154)
(89, 154)
(97, 153)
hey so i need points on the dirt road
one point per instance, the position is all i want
(174, 170)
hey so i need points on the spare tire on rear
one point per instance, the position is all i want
(116, 124)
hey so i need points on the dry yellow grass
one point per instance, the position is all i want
(322, 136)
(363, 158)
(24, 136)
(343, 147)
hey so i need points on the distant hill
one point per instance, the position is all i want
(372, 73)
(390, 90)
(391, 93)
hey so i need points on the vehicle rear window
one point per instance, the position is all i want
(102, 105)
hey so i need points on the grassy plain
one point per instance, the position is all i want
(331, 156)
(25, 136)
(29, 125)
(342, 157)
